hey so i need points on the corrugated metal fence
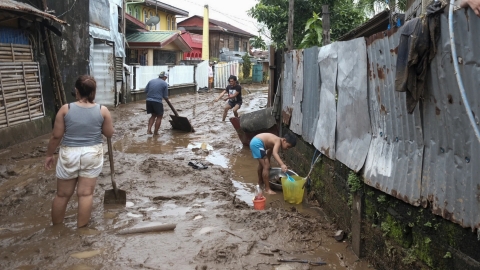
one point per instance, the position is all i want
(346, 105)
(222, 71)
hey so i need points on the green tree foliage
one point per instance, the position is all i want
(345, 15)
(274, 14)
(246, 66)
(258, 43)
(313, 32)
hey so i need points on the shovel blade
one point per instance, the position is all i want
(110, 197)
(181, 123)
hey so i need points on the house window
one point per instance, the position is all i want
(169, 23)
(236, 44)
(137, 13)
(129, 11)
(164, 57)
(145, 15)
(245, 46)
(173, 23)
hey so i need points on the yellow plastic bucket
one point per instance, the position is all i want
(293, 190)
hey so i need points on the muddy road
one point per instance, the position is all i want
(216, 225)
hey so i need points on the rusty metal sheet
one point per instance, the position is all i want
(327, 121)
(311, 94)
(394, 160)
(297, 71)
(287, 89)
(26, 8)
(451, 169)
(353, 123)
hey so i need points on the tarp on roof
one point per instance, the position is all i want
(103, 18)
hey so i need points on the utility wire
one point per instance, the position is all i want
(68, 9)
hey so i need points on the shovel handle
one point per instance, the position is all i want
(171, 107)
(112, 169)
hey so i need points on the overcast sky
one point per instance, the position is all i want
(233, 12)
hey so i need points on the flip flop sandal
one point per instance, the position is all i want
(193, 165)
(201, 166)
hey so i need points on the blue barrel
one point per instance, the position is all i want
(257, 74)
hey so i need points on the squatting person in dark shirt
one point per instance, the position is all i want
(234, 98)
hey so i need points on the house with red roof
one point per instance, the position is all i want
(222, 35)
(195, 42)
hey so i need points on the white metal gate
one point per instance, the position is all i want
(201, 75)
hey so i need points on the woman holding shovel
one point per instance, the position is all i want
(78, 127)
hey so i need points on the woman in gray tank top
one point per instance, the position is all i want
(78, 128)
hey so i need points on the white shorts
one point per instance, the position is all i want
(85, 161)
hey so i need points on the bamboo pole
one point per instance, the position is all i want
(17, 53)
(33, 107)
(18, 82)
(41, 91)
(16, 45)
(34, 102)
(13, 52)
(156, 228)
(22, 121)
(26, 93)
(7, 64)
(20, 95)
(51, 66)
(19, 77)
(17, 49)
(13, 119)
(4, 99)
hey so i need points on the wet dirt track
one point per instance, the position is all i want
(216, 225)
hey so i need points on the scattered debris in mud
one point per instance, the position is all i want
(215, 224)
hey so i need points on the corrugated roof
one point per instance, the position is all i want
(376, 24)
(26, 8)
(133, 22)
(221, 26)
(230, 27)
(166, 7)
(158, 39)
(152, 36)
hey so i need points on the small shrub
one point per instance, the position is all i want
(246, 66)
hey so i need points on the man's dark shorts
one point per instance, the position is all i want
(232, 104)
(154, 107)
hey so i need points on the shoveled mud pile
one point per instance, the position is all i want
(215, 228)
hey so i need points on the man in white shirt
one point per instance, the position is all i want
(210, 76)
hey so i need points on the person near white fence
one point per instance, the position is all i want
(210, 76)
(234, 97)
(156, 89)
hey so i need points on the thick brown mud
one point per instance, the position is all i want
(217, 227)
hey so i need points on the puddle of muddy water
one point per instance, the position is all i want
(170, 209)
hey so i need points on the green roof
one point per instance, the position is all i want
(152, 36)
(158, 39)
